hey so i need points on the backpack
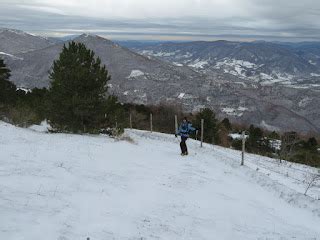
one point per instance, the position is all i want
(185, 127)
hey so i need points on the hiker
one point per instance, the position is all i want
(184, 130)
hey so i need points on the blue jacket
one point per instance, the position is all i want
(185, 129)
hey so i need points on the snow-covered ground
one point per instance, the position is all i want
(63, 186)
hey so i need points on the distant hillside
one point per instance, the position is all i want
(263, 62)
(223, 85)
(15, 41)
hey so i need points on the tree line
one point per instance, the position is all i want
(78, 101)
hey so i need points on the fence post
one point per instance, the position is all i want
(151, 127)
(175, 124)
(243, 147)
(202, 123)
(130, 121)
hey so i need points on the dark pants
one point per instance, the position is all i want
(183, 145)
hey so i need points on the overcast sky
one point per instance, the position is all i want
(284, 20)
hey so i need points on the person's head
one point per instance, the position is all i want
(185, 120)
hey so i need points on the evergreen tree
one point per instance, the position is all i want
(312, 144)
(7, 88)
(255, 140)
(78, 90)
(226, 123)
(115, 114)
(210, 125)
(274, 135)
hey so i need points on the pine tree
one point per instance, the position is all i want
(312, 144)
(7, 88)
(210, 125)
(226, 123)
(254, 142)
(78, 90)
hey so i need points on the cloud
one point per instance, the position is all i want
(200, 19)
(42, 9)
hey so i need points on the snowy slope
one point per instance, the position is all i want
(63, 186)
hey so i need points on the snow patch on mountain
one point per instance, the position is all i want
(269, 127)
(135, 73)
(11, 56)
(265, 76)
(181, 95)
(236, 67)
(238, 112)
(251, 71)
(158, 54)
(198, 64)
(186, 55)
(312, 62)
(185, 96)
(164, 54)
(315, 74)
(275, 77)
(304, 102)
(177, 64)
(236, 64)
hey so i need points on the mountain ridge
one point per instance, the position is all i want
(143, 79)
(14, 41)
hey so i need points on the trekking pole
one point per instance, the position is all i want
(151, 122)
(175, 124)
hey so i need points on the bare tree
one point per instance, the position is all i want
(288, 141)
(312, 180)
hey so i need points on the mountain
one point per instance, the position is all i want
(263, 62)
(134, 77)
(70, 186)
(147, 79)
(13, 42)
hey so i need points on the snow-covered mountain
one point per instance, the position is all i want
(150, 80)
(134, 77)
(263, 62)
(14, 41)
(63, 186)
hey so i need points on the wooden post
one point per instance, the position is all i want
(202, 123)
(175, 124)
(213, 142)
(243, 147)
(130, 121)
(151, 127)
